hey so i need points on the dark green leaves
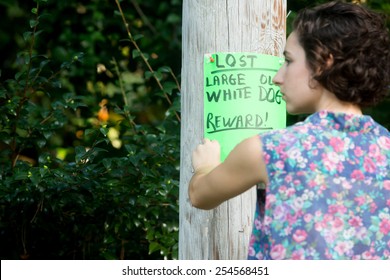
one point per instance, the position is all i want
(76, 185)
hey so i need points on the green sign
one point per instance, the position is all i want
(240, 99)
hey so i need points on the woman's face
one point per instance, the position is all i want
(301, 93)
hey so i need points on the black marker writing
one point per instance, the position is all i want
(216, 123)
(266, 80)
(270, 94)
(228, 94)
(226, 79)
(232, 61)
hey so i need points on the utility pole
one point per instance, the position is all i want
(210, 26)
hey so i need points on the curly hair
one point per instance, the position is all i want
(356, 41)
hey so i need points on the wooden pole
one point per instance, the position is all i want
(211, 26)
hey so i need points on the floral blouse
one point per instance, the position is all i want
(328, 195)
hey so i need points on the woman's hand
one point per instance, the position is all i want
(215, 182)
(206, 156)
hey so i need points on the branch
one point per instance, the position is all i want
(143, 57)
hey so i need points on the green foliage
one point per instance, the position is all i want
(89, 128)
(89, 134)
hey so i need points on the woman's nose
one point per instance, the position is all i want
(277, 79)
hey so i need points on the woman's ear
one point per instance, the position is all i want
(329, 62)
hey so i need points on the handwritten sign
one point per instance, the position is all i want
(240, 99)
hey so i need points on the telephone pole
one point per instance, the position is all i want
(211, 26)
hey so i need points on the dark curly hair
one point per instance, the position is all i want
(356, 40)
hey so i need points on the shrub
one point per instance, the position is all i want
(87, 169)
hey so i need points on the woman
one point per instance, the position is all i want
(327, 179)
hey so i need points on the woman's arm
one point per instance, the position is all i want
(214, 182)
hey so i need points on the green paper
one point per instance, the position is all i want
(240, 99)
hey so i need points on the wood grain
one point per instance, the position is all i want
(211, 26)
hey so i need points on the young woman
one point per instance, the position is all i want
(327, 179)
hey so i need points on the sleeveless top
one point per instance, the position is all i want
(328, 195)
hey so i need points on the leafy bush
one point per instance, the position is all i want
(88, 169)
(89, 131)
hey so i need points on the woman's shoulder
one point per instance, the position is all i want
(288, 135)
(326, 132)
(328, 124)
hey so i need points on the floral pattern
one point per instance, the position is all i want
(328, 195)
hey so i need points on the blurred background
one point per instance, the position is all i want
(90, 127)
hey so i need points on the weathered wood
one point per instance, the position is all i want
(219, 26)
